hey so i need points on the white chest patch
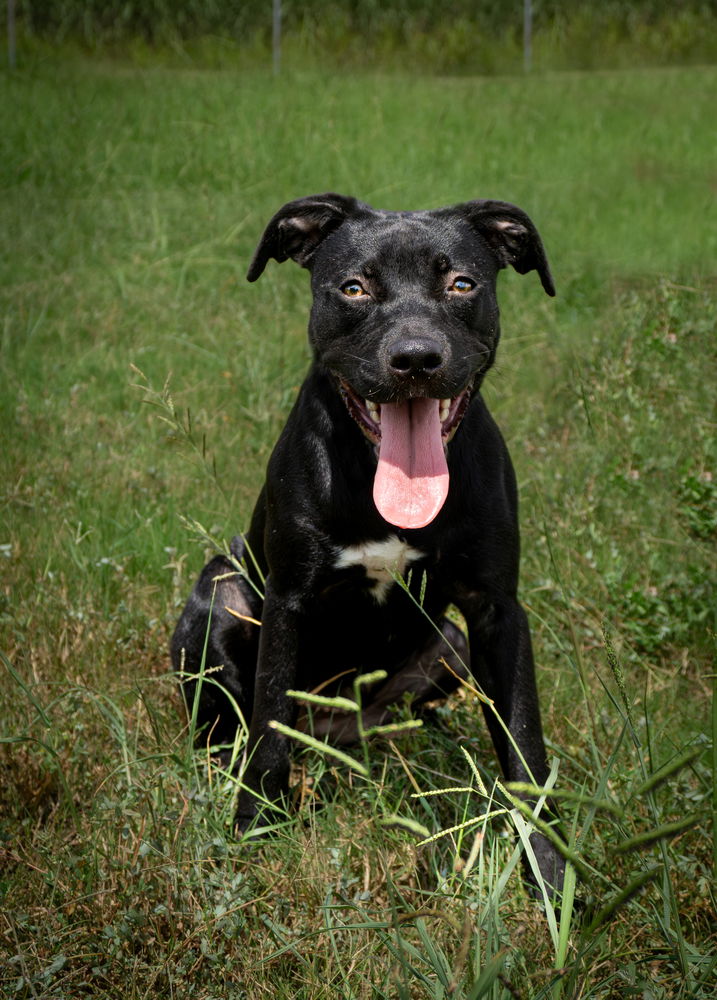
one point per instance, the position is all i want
(381, 561)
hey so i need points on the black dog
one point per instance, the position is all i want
(389, 463)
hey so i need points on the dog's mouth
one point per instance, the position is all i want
(411, 482)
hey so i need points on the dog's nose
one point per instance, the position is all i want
(415, 356)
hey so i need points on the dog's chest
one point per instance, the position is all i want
(382, 561)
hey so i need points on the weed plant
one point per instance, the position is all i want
(142, 386)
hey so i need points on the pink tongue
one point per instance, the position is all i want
(411, 482)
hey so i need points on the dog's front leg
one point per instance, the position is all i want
(265, 780)
(502, 663)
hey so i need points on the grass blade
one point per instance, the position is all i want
(325, 749)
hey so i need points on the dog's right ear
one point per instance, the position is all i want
(511, 236)
(299, 227)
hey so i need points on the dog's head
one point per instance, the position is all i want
(405, 318)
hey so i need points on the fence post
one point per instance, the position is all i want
(276, 36)
(11, 47)
(527, 35)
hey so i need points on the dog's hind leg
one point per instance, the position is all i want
(433, 672)
(214, 647)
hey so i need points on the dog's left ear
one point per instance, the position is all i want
(299, 227)
(511, 236)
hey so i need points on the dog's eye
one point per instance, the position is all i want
(353, 289)
(461, 285)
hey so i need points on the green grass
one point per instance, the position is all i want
(132, 201)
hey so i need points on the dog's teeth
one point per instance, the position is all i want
(444, 409)
(373, 411)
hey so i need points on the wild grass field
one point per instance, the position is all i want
(143, 384)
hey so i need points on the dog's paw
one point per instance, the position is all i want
(243, 823)
(253, 819)
(551, 868)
